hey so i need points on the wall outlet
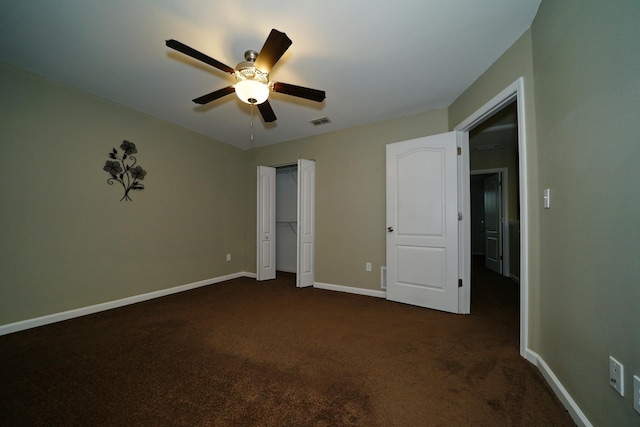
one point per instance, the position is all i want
(228, 257)
(367, 266)
(616, 375)
(636, 393)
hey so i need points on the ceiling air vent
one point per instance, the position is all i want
(320, 121)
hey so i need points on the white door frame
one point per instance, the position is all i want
(514, 91)
(504, 222)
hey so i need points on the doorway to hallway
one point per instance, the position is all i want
(486, 124)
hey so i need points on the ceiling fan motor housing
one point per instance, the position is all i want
(247, 71)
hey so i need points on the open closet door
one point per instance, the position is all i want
(266, 242)
(306, 222)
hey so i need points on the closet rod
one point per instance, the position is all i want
(290, 224)
(283, 169)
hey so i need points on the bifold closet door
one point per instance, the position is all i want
(266, 227)
(306, 222)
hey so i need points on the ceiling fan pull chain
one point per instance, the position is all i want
(251, 123)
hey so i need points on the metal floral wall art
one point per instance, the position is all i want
(124, 170)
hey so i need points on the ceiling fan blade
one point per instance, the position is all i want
(205, 99)
(183, 48)
(267, 112)
(274, 47)
(299, 91)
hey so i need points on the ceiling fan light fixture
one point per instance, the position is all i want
(252, 91)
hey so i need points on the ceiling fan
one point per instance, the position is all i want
(252, 76)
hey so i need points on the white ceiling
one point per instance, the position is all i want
(376, 59)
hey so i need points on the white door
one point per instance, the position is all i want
(422, 220)
(493, 223)
(266, 241)
(306, 222)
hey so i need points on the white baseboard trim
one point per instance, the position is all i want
(65, 315)
(570, 405)
(350, 289)
(531, 356)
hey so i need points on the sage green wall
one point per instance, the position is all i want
(67, 241)
(350, 194)
(516, 62)
(587, 82)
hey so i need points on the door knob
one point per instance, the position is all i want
(390, 229)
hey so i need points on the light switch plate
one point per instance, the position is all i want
(547, 198)
(616, 375)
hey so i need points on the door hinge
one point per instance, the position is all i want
(459, 151)
(459, 283)
(459, 216)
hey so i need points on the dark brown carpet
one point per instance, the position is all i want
(244, 353)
